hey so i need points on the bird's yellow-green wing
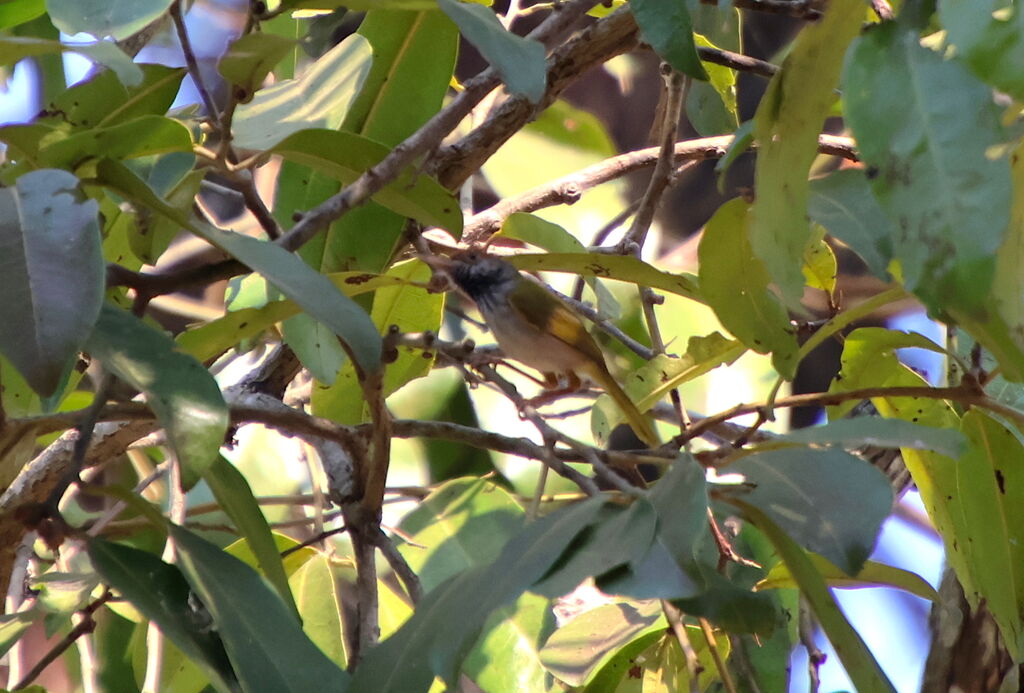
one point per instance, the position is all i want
(545, 312)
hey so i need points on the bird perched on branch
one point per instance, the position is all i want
(536, 328)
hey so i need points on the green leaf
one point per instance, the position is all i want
(872, 574)
(820, 267)
(666, 26)
(345, 156)
(251, 57)
(843, 203)
(735, 284)
(413, 309)
(117, 18)
(150, 134)
(235, 498)
(464, 523)
(15, 12)
(521, 62)
(319, 608)
(992, 535)
(13, 626)
(294, 278)
(828, 501)
(317, 99)
(787, 124)
(460, 607)
(928, 129)
(621, 536)
(578, 650)
(507, 655)
(668, 570)
(555, 239)
(51, 274)
(103, 101)
(183, 394)
(213, 338)
(624, 268)
(161, 593)
(989, 37)
(855, 656)
(14, 48)
(656, 378)
(885, 433)
(263, 639)
(711, 106)
(63, 593)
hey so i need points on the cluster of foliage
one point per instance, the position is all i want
(365, 145)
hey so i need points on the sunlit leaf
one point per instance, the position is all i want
(788, 122)
(317, 99)
(872, 574)
(735, 284)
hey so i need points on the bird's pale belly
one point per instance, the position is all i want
(525, 343)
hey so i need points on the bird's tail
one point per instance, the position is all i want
(640, 424)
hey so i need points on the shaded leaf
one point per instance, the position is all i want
(473, 595)
(51, 274)
(879, 432)
(989, 37)
(262, 637)
(161, 593)
(317, 99)
(927, 127)
(788, 121)
(520, 61)
(843, 203)
(251, 57)
(735, 284)
(667, 27)
(235, 498)
(507, 655)
(861, 666)
(117, 18)
(183, 394)
(827, 500)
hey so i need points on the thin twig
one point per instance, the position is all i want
(723, 671)
(568, 189)
(675, 621)
(192, 64)
(86, 625)
(397, 561)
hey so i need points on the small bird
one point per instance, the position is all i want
(536, 328)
